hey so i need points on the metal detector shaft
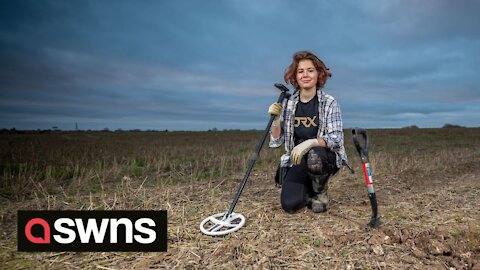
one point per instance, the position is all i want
(256, 154)
(367, 172)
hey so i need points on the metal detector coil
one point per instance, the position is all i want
(227, 224)
(230, 221)
(367, 172)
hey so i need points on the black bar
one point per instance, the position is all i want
(374, 220)
(37, 231)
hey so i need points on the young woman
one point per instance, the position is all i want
(310, 125)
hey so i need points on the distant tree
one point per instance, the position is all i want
(451, 126)
(411, 127)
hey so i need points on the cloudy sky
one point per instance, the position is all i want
(197, 65)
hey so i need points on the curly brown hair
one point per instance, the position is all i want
(323, 71)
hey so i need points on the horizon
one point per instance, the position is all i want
(106, 129)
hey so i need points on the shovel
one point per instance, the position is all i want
(367, 172)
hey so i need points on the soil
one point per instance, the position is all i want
(428, 200)
(431, 223)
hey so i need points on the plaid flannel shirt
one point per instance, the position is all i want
(330, 123)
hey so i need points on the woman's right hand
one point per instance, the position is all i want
(275, 109)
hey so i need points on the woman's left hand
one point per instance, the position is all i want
(300, 150)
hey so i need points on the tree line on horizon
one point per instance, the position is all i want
(119, 130)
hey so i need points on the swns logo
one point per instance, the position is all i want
(92, 231)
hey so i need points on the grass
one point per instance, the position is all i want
(426, 179)
(78, 160)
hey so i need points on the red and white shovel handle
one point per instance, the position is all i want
(367, 172)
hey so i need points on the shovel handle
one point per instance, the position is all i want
(362, 147)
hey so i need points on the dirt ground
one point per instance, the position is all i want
(430, 214)
(427, 224)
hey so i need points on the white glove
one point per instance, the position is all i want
(300, 150)
(275, 109)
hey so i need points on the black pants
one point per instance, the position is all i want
(297, 185)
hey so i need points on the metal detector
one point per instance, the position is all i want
(225, 223)
(367, 172)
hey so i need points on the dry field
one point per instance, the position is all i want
(427, 183)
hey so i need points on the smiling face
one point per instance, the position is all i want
(307, 75)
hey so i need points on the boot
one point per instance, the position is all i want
(319, 199)
(319, 202)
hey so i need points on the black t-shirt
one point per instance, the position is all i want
(306, 120)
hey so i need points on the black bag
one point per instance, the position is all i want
(280, 175)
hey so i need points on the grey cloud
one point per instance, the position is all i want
(213, 62)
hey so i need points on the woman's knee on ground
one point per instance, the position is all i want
(292, 204)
